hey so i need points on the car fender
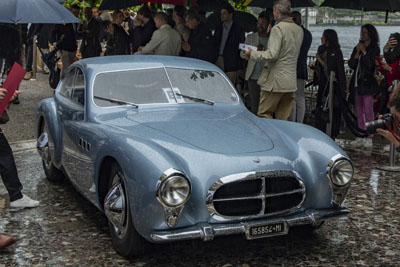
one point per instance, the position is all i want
(47, 111)
(143, 162)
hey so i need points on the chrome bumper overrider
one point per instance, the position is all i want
(208, 231)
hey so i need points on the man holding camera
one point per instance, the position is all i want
(391, 131)
(392, 54)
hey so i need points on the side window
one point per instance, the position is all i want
(78, 94)
(66, 88)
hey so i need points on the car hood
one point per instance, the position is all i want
(218, 132)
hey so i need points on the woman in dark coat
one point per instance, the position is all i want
(331, 59)
(118, 39)
(363, 84)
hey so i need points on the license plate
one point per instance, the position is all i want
(266, 230)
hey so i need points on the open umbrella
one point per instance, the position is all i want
(270, 3)
(365, 5)
(35, 11)
(170, 2)
(118, 4)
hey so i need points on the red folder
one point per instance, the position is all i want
(12, 82)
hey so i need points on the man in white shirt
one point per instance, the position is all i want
(165, 41)
(258, 39)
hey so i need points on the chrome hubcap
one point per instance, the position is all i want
(115, 206)
(43, 148)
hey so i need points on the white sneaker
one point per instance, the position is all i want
(368, 143)
(357, 142)
(24, 202)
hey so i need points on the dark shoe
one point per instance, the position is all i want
(6, 240)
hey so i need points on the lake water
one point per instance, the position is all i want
(348, 36)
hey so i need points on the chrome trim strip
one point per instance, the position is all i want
(286, 193)
(206, 231)
(239, 198)
(263, 175)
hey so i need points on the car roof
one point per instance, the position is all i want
(129, 62)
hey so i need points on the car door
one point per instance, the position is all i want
(71, 114)
(83, 144)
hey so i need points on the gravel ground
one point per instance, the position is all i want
(22, 117)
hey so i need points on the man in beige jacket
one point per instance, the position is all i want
(165, 41)
(278, 78)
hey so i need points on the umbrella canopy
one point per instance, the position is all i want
(118, 4)
(246, 20)
(210, 5)
(170, 2)
(35, 11)
(270, 3)
(366, 5)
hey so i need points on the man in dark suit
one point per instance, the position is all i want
(228, 36)
(89, 29)
(299, 104)
(201, 43)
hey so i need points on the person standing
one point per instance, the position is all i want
(90, 31)
(254, 68)
(228, 36)
(144, 29)
(180, 26)
(363, 85)
(299, 104)
(333, 61)
(278, 78)
(201, 43)
(65, 39)
(165, 41)
(117, 39)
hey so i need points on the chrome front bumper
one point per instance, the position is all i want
(208, 231)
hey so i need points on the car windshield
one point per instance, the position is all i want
(153, 86)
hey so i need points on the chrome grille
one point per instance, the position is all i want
(255, 194)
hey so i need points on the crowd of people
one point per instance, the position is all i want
(275, 72)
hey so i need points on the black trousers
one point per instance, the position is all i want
(8, 170)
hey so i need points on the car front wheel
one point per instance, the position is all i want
(52, 173)
(126, 240)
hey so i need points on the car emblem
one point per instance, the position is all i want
(256, 160)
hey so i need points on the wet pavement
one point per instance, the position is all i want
(66, 230)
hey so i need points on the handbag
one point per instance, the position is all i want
(4, 117)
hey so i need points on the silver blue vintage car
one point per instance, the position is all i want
(165, 147)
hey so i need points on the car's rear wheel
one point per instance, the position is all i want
(52, 173)
(126, 240)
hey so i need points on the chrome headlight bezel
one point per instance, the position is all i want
(338, 187)
(168, 177)
(341, 171)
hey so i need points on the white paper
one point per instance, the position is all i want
(246, 47)
(171, 97)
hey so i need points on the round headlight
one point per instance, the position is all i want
(175, 191)
(341, 172)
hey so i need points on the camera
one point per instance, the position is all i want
(395, 36)
(384, 123)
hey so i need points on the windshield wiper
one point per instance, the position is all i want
(116, 101)
(205, 101)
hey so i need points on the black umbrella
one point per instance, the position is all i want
(270, 3)
(210, 5)
(247, 20)
(118, 4)
(365, 5)
(35, 11)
